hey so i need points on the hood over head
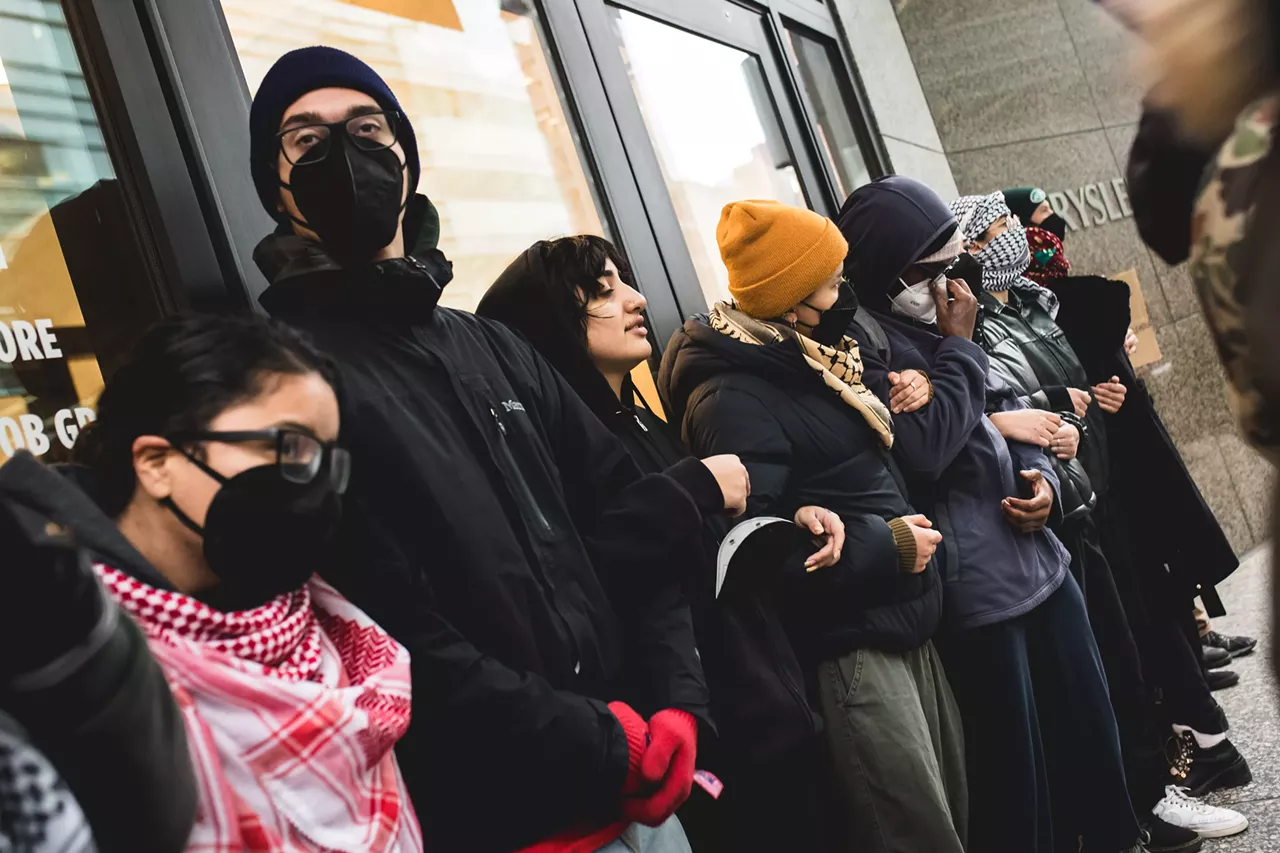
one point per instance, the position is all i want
(524, 298)
(890, 224)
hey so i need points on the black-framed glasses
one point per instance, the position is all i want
(299, 456)
(310, 143)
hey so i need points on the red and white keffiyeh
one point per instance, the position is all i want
(292, 710)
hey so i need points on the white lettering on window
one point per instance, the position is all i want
(48, 340)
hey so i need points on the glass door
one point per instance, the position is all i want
(721, 102)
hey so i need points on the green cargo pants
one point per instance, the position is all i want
(897, 750)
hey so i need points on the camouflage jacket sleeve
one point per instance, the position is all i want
(1230, 264)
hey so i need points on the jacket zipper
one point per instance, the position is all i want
(782, 674)
(524, 493)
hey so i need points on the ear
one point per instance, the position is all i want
(151, 456)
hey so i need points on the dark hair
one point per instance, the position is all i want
(184, 372)
(573, 267)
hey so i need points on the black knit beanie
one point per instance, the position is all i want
(294, 75)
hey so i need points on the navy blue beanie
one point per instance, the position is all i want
(294, 75)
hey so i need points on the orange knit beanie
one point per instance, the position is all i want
(777, 255)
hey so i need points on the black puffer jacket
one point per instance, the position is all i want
(803, 446)
(1030, 352)
(506, 538)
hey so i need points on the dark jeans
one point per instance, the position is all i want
(1160, 613)
(1142, 735)
(1044, 759)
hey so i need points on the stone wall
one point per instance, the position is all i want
(1040, 93)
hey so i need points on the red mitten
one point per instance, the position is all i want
(668, 764)
(637, 732)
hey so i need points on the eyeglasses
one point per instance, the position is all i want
(299, 456)
(935, 273)
(311, 143)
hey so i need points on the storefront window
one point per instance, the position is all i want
(714, 127)
(55, 181)
(500, 158)
(817, 69)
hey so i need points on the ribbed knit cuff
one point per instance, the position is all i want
(906, 542)
(636, 731)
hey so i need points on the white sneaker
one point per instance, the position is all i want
(1210, 821)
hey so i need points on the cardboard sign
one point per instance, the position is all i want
(1148, 351)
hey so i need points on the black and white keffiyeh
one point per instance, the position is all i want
(38, 813)
(1006, 258)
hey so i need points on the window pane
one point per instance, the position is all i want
(70, 270)
(817, 69)
(500, 159)
(714, 127)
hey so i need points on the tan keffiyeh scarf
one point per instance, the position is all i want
(840, 366)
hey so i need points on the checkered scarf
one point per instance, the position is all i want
(1006, 258)
(38, 813)
(291, 710)
(839, 367)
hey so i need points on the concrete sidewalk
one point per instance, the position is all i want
(1253, 707)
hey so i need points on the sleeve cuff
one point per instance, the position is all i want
(1059, 398)
(905, 541)
(696, 479)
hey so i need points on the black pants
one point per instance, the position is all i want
(1160, 612)
(1142, 734)
(1043, 753)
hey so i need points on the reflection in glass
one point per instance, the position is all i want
(817, 69)
(714, 127)
(57, 194)
(500, 160)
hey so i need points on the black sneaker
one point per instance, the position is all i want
(1233, 646)
(1220, 679)
(1166, 838)
(1212, 657)
(1214, 769)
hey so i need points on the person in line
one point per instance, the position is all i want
(215, 483)
(1044, 754)
(495, 527)
(93, 753)
(1032, 354)
(1158, 573)
(773, 378)
(576, 301)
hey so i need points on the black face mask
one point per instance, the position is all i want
(968, 269)
(351, 198)
(263, 535)
(834, 321)
(1055, 225)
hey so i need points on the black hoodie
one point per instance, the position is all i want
(102, 712)
(500, 533)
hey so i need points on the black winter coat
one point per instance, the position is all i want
(101, 711)
(496, 529)
(1170, 523)
(803, 446)
(767, 733)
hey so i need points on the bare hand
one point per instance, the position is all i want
(734, 483)
(1110, 395)
(1130, 342)
(1065, 443)
(957, 308)
(1081, 400)
(1031, 426)
(823, 524)
(1030, 514)
(910, 391)
(927, 540)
